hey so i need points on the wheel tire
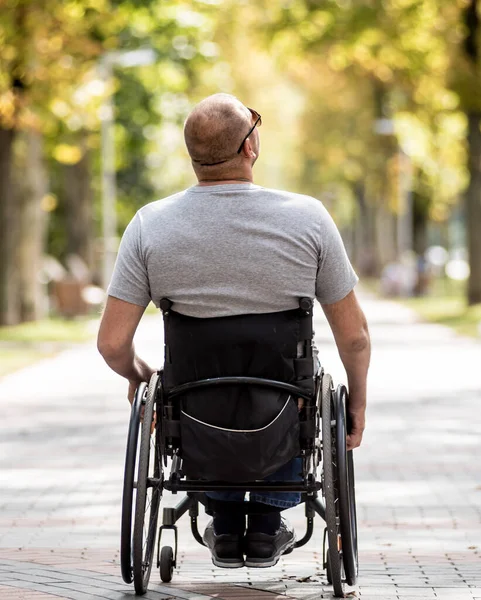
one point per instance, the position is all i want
(166, 564)
(129, 491)
(345, 480)
(144, 538)
(329, 487)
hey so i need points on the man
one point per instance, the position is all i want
(229, 247)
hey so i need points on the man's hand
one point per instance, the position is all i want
(133, 385)
(357, 424)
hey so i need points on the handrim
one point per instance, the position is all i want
(129, 488)
(148, 497)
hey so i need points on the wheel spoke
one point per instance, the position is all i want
(148, 505)
(146, 529)
(149, 532)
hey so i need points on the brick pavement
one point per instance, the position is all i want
(62, 437)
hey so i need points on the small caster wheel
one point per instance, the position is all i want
(166, 564)
(328, 569)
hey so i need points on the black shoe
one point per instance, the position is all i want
(263, 550)
(226, 548)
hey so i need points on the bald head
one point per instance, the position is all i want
(215, 128)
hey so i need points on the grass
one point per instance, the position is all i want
(22, 345)
(446, 305)
(49, 330)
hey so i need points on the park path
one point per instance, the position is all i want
(63, 427)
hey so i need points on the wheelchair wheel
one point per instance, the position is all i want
(347, 500)
(330, 489)
(149, 494)
(328, 570)
(166, 564)
(129, 490)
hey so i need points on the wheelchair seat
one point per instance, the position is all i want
(223, 415)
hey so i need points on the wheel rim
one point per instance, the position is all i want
(345, 489)
(329, 486)
(352, 508)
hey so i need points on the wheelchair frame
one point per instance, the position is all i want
(144, 482)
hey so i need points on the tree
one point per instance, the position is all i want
(466, 70)
(46, 47)
(411, 50)
(50, 50)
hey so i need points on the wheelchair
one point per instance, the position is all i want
(247, 358)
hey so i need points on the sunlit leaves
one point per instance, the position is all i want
(67, 154)
(409, 50)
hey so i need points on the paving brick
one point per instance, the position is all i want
(12, 593)
(21, 590)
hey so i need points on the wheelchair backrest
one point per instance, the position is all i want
(238, 419)
(272, 345)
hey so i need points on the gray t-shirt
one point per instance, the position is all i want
(232, 249)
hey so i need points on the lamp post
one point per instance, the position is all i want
(404, 227)
(108, 61)
(405, 216)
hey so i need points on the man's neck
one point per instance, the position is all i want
(205, 181)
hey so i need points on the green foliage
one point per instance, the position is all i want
(51, 80)
(358, 62)
(321, 73)
(47, 47)
(147, 98)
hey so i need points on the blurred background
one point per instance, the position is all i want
(372, 107)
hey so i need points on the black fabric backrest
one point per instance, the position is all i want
(264, 345)
(252, 345)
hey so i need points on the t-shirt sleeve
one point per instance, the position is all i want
(130, 280)
(335, 274)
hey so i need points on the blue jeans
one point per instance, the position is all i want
(292, 471)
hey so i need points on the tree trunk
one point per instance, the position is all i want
(9, 219)
(386, 235)
(420, 220)
(472, 198)
(364, 235)
(31, 190)
(473, 207)
(78, 197)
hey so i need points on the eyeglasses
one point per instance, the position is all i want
(258, 121)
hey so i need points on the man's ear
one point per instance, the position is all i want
(248, 149)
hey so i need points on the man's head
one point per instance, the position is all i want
(216, 138)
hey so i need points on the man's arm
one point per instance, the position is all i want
(115, 342)
(351, 334)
